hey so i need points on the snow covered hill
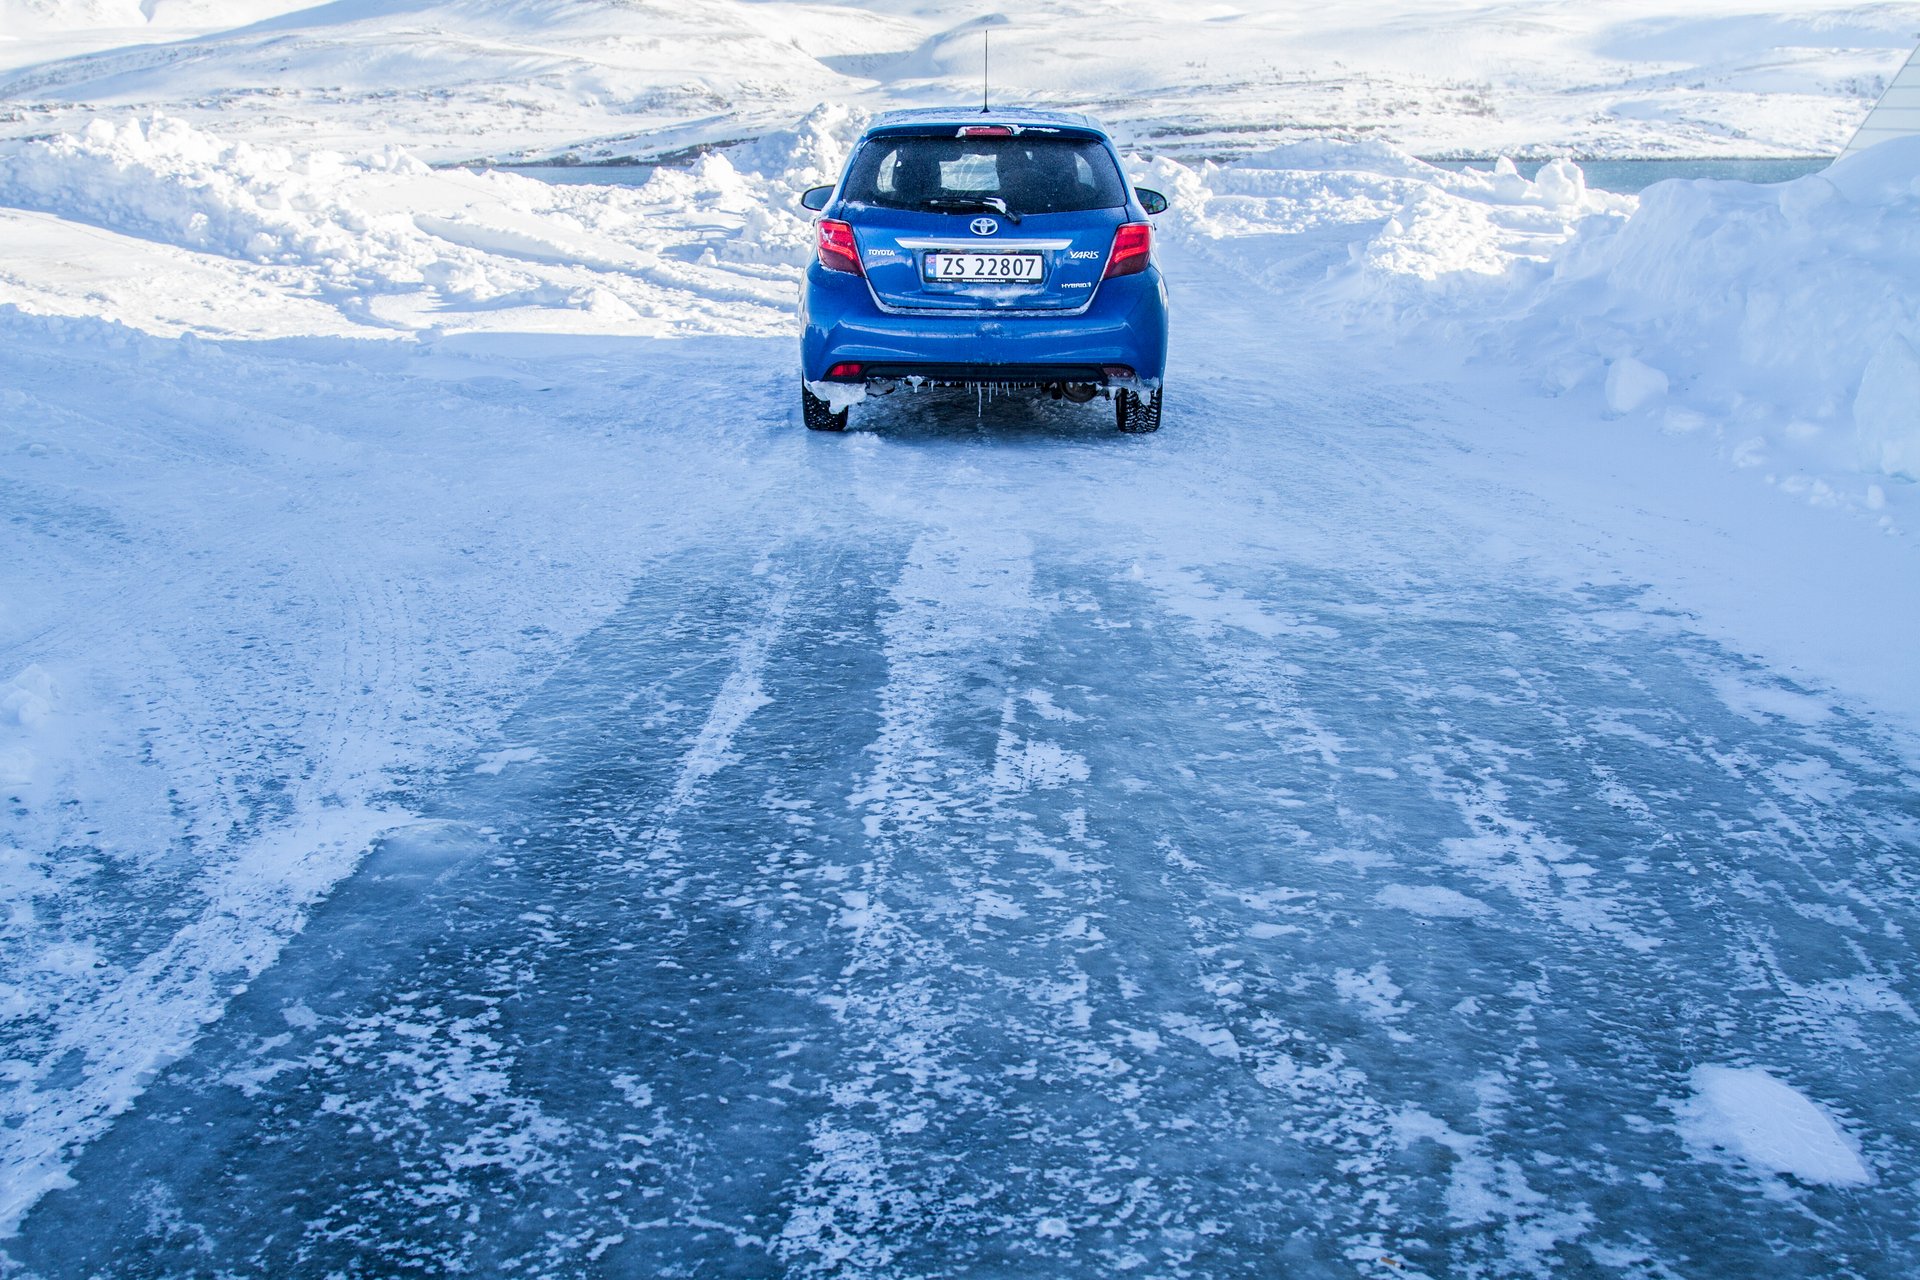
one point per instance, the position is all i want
(596, 80)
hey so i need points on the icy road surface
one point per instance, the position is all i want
(1008, 848)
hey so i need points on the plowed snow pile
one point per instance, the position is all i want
(1784, 317)
(388, 243)
(1779, 319)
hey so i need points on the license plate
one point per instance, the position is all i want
(1021, 268)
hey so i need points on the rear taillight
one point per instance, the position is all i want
(838, 252)
(1132, 246)
(986, 131)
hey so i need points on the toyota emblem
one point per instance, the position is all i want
(983, 226)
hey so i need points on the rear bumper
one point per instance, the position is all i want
(1125, 327)
(1007, 374)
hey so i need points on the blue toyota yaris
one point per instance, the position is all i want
(966, 248)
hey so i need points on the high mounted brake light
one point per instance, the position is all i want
(1132, 247)
(986, 131)
(838, 252)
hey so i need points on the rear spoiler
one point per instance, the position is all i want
(986, 129)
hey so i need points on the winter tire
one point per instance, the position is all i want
(1134, 415)
(818, 415)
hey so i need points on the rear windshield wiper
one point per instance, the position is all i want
(962, 204)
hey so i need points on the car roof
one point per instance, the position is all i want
(958, 117)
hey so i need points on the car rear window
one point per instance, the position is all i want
(1032, 174)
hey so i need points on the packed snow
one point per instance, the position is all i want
(1494, 685)
(1747, 1113)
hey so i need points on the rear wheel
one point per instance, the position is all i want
(818, 414)
(1135, 415)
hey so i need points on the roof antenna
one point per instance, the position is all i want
(986, 44)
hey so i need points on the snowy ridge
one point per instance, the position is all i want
(1372, 235)
(964, 599)
(464, 79)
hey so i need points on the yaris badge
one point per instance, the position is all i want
(983, 226)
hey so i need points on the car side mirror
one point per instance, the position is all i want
(1151, 201)
(815, 198)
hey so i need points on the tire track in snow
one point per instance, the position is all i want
(740, 695)
(153, 1015)
(295, 621)
(956, 824)
(963, 604)
(1486, 735)
(426, 1045)
(985, 1120)
(1236, 730)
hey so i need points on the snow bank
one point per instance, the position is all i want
(1372, 233)
(1787, 311)
(389, 243)
(760, 183)
(1782, 319)
(1770, 1125)
(165, 180)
